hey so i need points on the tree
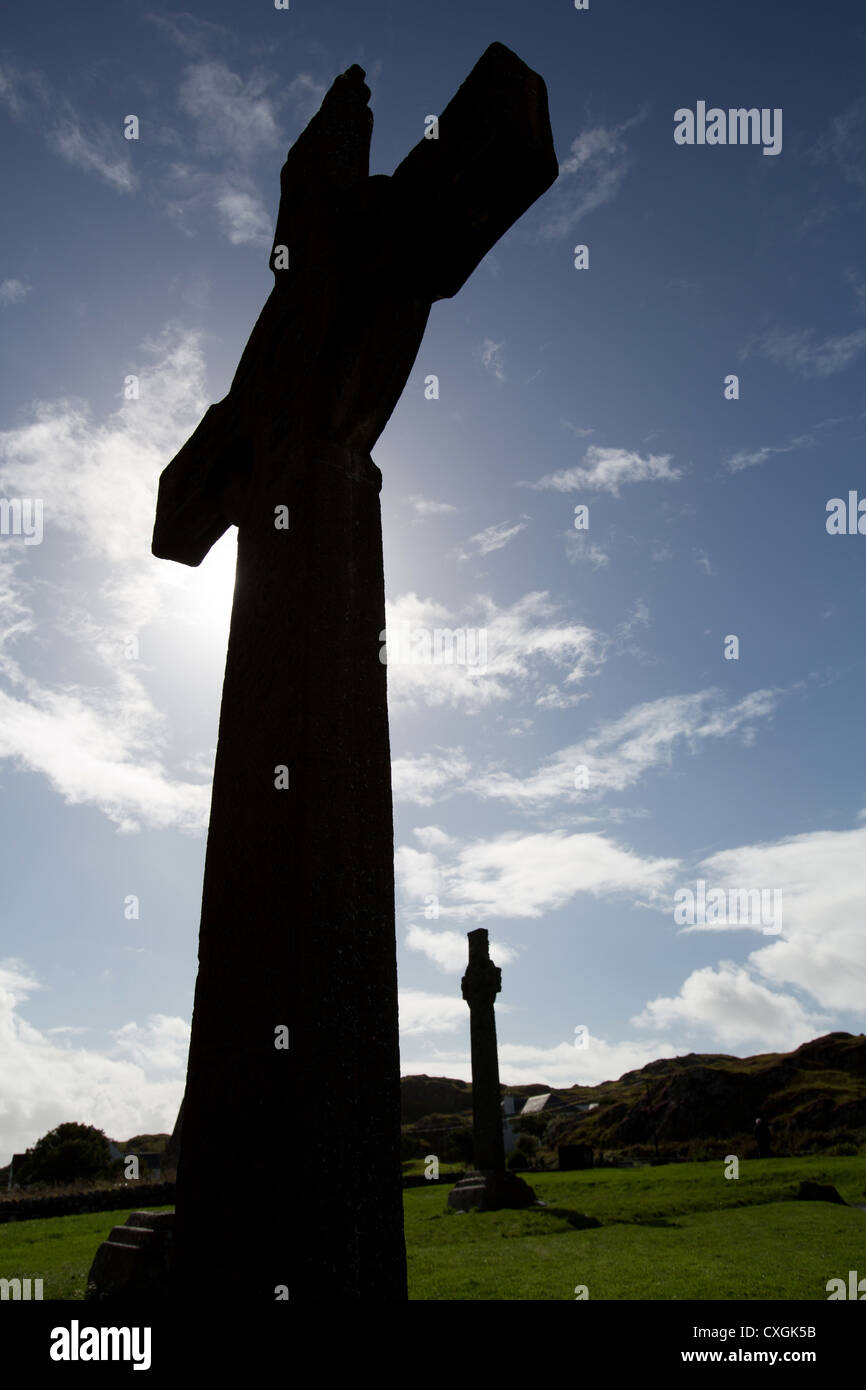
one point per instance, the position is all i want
(69, 1152)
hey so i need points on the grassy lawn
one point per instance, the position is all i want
(59, 1250)
(675, 1232)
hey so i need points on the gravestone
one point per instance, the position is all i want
(490, 1186)
(294, 1042)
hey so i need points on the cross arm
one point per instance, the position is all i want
(494, 157)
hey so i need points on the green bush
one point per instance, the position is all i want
(69, 1153)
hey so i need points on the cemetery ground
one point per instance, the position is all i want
(676, 1231)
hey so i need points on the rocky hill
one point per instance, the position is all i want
(812, 1098)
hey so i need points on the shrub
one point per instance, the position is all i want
(68, 1153)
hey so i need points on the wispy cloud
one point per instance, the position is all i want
(194, 36)
(845, 143)
(448, 949)
(425, 778)
(424, 506)
(89, 143)
(799, 351)
(244, 217)
(576, 430)
(13, 291)
(233, 116)
(305, 94)
(591, 176)
(530, 649)
(607, 470)
(702, 560)
(581, 550)
(492, 538)
(523, 874)
(621, 752)
(490, 354)
(753, 458)
(95, 735)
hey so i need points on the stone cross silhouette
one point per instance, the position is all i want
(294, 1061)
(490, 1186)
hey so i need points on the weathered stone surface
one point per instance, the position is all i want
(490, 1191)
(134, 1263)
(297, 925)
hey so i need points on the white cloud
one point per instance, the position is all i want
(46, 1083)
(845, 141)
(95, 734)
(607, 470)
(192, 35)
(751, 458)
(523, 645)
(306, 94)
(822, 947)
(233, 117)
(13, 291)
(94, 147)
(491, 358)
(579, 548)
(492, 538)
(524, 875)
(591, 176)
(421, 1012)
(161, 1045)
(424, 778)
(424, 507)
(416, 873)
(734, 1009)
(702, 559)
(798, 351)
(244, 217)
(623, 750)
(449, 949)
(90, 144)
(561, 1064)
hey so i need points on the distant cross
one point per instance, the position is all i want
(489, 1186)
(294, 1057)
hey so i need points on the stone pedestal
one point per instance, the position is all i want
(134, 1261)
(490, 1191)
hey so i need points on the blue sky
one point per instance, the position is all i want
(558, 387)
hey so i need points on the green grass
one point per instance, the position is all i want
(58, 1250)
(674, 1232)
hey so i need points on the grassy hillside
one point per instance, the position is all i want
(697, 1106)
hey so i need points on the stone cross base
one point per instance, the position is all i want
(491, 1191)
(134, 1261)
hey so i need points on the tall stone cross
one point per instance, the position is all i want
(490, 1186)
(294, 1062)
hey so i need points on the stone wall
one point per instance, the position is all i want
(140, 1194)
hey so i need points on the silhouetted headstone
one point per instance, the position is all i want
(571, 1157)
(294, 1037)
(490, 1186)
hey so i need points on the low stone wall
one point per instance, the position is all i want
(140, 1194)
(143, 1194)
